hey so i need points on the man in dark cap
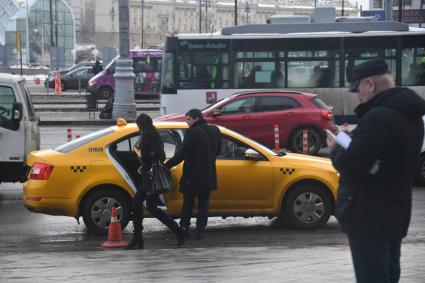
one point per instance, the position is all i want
(201, 145)
(377, 170)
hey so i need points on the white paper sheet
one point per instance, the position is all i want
(343, 140)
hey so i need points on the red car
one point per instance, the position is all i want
(254, 115)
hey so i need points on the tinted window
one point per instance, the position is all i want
(7, 98)
(245, 105)
(27, 99)
(232, 150)
(276, 103)
(319, 103)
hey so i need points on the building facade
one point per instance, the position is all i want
(163, 18)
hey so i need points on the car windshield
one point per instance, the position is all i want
(214, 104)
(83, 140)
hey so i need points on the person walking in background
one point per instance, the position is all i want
(97, 68)
(277, 77)
(377, 168)
(201, 145)
(150, 148)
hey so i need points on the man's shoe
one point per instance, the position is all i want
(186, 231)
(182, 236)
(136, 243)
(198, 235)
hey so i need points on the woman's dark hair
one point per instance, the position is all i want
(195, 113)
(144, 122)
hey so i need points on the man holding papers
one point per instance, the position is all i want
(377, 167)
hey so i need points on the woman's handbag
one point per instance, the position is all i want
(161, 181)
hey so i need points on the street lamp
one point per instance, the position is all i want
(247, 11)
(124, 105)
(207, 4)
(142, 19)
(236, 12)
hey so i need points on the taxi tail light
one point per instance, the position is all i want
(40, 171)
(327, 115)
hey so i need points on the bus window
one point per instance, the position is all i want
(254, 74)
(168, 83)
(355, 57)
(413, 66)
(204, 69)
(313, 68)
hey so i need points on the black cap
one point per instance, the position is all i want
(367, 69)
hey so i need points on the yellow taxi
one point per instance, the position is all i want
(88, 176)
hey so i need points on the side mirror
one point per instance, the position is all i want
(17, 111)
(251, 154)
(216, 113)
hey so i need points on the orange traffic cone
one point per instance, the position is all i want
(114, 233)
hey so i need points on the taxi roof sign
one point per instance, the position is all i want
(121, 122)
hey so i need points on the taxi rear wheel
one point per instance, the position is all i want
(308, 207)
(97, 210)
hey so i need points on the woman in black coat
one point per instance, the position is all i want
(151, 148)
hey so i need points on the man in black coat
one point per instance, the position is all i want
(377, 170)
(201, 145)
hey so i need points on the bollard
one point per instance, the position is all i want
(305, 141)
(69, 134)
(276, 138)
(37, 81)
(58, 83)
(77, 136)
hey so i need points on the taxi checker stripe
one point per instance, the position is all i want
(288, 171)
(78, 168)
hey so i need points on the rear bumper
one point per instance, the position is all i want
(36, 198)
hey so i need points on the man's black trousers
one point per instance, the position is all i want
(187, 209)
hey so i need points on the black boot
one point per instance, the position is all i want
(136, 242)
(182, 236)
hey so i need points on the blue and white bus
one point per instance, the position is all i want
(199, 69)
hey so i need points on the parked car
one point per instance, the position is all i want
(19, 132)
(90, 175)
(254, 115)
(49, 82)
(75, 79)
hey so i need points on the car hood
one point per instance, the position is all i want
(175, 117)
(307, 161)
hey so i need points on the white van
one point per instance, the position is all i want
(19, 132)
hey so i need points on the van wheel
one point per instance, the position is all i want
(307, 207)
(420, 173)
(105, 92)
(97, 210)
(314, 141)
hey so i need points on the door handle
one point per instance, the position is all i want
(247, 117)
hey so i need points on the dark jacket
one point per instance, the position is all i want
(377, 170)
(199, 173)
(151, 148)
(214, 137)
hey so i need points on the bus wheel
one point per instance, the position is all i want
(105, 92)
(314, 141)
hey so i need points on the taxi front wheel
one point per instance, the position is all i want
(308, 207)
(97, 210)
